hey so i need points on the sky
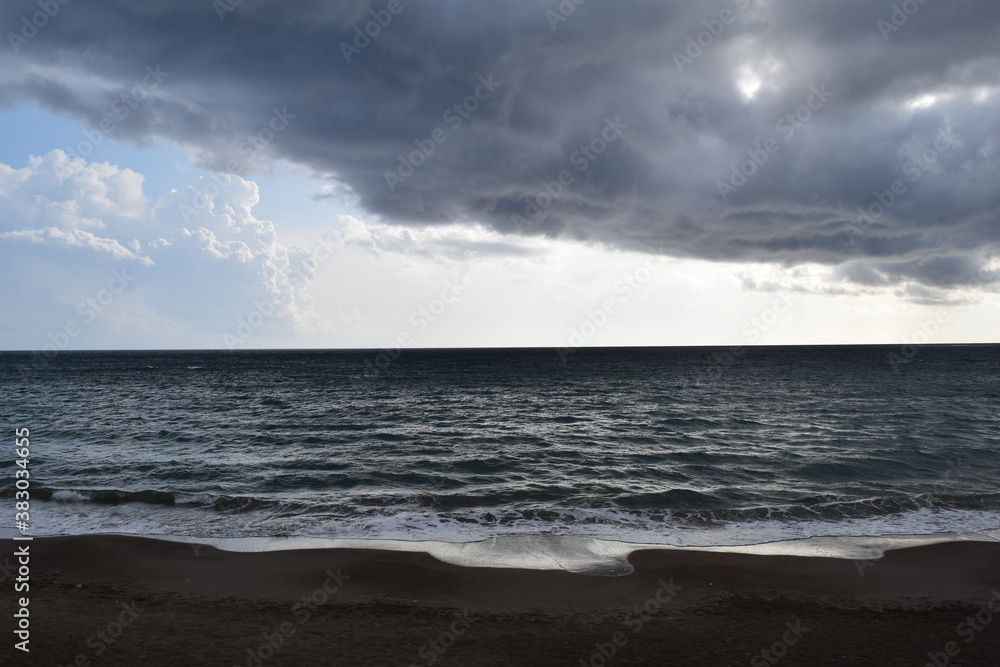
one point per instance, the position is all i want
(226, 174)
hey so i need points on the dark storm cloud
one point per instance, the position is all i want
(647, 111)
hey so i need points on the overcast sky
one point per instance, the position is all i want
(473, 172)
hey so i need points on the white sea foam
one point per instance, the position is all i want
(565, 552)
(68, 496)
(577, 543)
(194, 499)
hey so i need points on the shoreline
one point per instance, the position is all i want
(944, 571)
(581, 553)
(383, 607)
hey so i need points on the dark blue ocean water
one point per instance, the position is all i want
(659, 445)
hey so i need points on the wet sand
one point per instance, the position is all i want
(111, 600)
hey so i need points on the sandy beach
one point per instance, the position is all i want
(112, 600)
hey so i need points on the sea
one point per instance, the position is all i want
(560, 451)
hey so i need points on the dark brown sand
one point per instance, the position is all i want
(104, 600)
